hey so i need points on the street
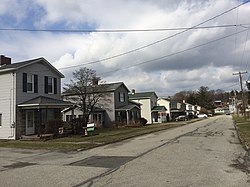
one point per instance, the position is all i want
(204, 153)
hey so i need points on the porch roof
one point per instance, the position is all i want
(158, 108)
(127, 108)
(44, 102)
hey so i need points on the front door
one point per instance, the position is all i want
(30, 126)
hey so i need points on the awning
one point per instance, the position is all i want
(127, 108)
(44, 102)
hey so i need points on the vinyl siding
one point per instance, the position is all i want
(41, 70)
(7, 105)
(145, 109)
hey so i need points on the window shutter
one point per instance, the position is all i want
(46, 84)
(24, 82)
(124, 99)
(119, 93)
(35, 83)
(55, 85)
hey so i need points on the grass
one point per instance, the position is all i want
(100, 137)
(243, 127)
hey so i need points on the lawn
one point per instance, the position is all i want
(243, 129)
(100, 137)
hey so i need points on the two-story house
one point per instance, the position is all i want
(149, 108)
(113, 107)
(30, 96)
(166, 103)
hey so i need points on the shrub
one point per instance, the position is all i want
(53, 125)
(143, 121)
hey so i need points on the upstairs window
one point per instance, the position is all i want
(122, 97)
(50, 84)
(30, 83)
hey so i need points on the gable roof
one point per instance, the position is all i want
(112, 86)
(19, 65)
(142, 95)
(102, 88)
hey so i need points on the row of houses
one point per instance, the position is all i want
(31, 96)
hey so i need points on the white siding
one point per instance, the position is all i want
(7, 105)
(145, 108)
(164, 102)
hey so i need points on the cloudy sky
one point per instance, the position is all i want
(149, 45)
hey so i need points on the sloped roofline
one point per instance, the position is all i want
(15, 66)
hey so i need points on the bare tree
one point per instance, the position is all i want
(84, 91)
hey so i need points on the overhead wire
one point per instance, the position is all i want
(175, 53)
(157, 41)
(119, 30)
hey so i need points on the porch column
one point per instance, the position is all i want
(127, 117)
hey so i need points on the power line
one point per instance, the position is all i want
(120, 30)
(173, 54)
(158, 41)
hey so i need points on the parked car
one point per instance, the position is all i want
(202, 115)
(181, 118)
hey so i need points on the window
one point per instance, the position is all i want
(0, 120)
(121, 97)
(50, 84)
(30, 83)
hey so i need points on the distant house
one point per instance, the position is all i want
(30, 96)
(113, 108)
(189, 109)
(176, 109)
(166, 103)
(149, 108)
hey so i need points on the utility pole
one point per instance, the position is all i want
(242, 93)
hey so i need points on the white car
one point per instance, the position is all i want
(202, 116)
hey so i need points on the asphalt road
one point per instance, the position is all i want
(205, 153)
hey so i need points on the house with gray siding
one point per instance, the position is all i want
(30, 96)
(113, 107)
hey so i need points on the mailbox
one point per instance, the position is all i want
(90, 127)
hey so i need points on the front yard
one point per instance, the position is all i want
(100, 137)
(243, 128)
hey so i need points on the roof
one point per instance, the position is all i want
(127, 108)
(142, 95)
(158, 108)
(19, 65)
(42, 101)
(101, 88)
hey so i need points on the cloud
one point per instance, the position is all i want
(181, 65)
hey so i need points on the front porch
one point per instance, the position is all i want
(39, 116)
(129, 114)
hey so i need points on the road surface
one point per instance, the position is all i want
(204, 153)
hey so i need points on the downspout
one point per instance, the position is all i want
(12, 108)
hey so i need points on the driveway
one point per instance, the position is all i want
(204, 153)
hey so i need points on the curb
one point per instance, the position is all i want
(242, 141)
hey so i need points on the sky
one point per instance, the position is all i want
(149, 45)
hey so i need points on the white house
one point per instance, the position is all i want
(166, 103)
(149, 109)
(30, 96)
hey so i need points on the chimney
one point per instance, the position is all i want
(133, 91)
(4, 60)
(95, 81)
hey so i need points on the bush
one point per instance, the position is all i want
(143, 121)
(53, 125)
